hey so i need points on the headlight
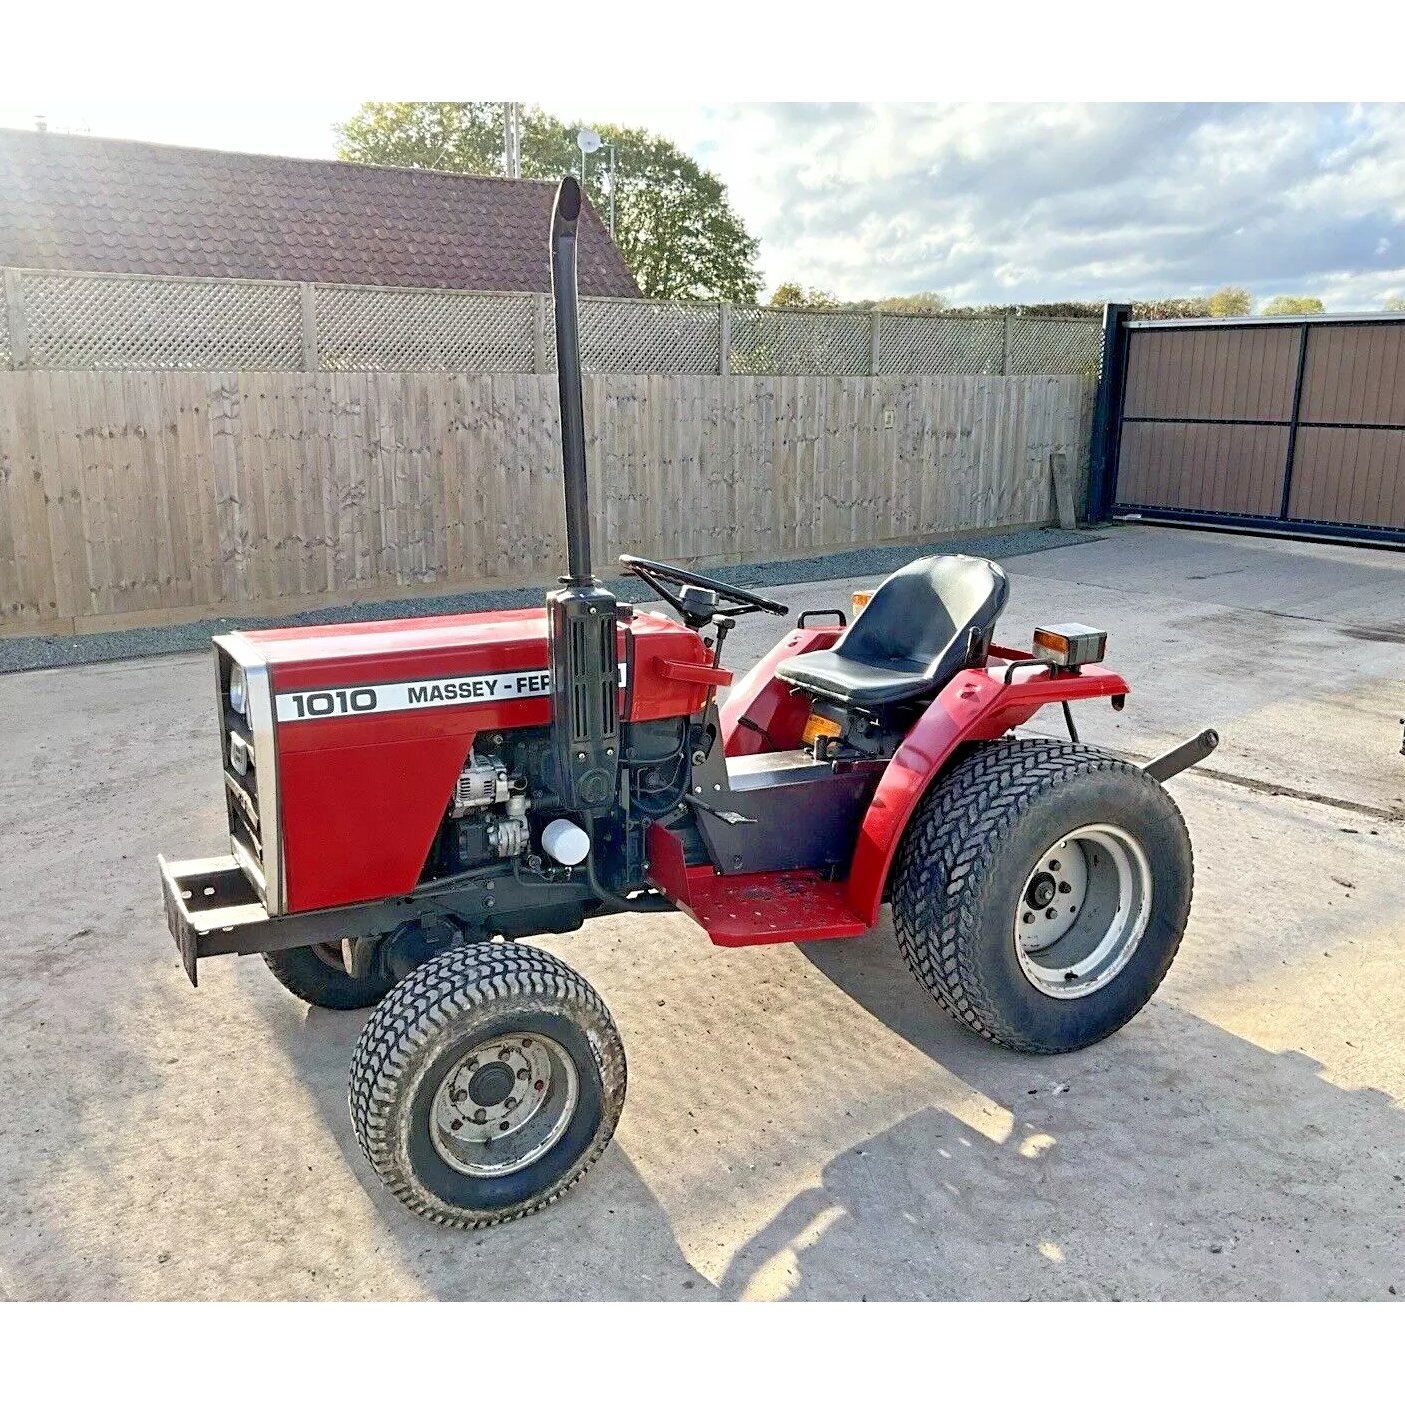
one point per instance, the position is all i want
(239, 692)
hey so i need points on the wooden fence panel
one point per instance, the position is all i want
(131, 497)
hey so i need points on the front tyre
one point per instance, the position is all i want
(486, 1084)
(1041, 891)
(316, 974)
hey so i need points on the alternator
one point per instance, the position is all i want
(482, 782)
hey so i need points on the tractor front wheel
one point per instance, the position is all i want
(1041, 891)
(486, 1084)
(316, 974)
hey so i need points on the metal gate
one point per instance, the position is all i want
(1273, 424)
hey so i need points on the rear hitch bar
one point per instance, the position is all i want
(1179, 758)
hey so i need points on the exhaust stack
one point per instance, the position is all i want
(568, 378)
(581, 629)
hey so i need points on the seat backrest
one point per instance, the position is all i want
(924, 613)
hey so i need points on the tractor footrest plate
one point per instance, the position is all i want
(747, 909)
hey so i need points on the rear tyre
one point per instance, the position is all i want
(1041, 891)
(486, 1084)
(316, 974)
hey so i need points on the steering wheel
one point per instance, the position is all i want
(695, 611)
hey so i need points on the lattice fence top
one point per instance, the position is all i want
(1063, 347)
(383, 329)
(647, 338)
(114, 321)
(177, 323)
(916, 346)
(766, 341)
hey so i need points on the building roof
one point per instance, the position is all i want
(94, 204)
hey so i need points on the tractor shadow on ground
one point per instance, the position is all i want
(1175, 1160)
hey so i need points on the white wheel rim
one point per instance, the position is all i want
(1082, 911)
(504, 1105)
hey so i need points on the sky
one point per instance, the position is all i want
(983, 202)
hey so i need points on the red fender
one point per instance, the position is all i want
(977, 705)
(775, 711)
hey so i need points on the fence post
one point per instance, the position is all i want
(14, 316)
(1107, 414)
(539, 333)
(875, 325)
(724, 339)
(1005, 345)
(307, 296)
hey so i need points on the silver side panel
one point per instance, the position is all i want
(270, 882)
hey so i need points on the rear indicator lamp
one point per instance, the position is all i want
(1070, 645)
(859, 599)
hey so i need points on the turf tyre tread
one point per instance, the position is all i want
(943, 874)
(454, 984)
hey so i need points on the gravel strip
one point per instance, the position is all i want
(23, 652)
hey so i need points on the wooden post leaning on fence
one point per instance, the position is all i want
(1005, 345)
(724, 339)
(875, 330)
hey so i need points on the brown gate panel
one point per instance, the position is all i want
(1212, 373)
(1349, 475)
(1234, 468)
(1355, 374)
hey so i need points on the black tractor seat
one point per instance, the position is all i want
(924, 624)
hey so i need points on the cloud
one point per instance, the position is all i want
(1044, 202)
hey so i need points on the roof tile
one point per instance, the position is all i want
(133, 207)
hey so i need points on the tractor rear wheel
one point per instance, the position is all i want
(486, 1084)
(1041, 891)
(316, 974)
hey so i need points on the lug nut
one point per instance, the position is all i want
(1054, 864)
(522, 1073)
(510, 1103)
(1051, 912)
(480, 1116)
(455, 1125)
(1028, 917)
(457, 1096)
(539, 1085)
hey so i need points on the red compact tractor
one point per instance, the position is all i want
(407, 798)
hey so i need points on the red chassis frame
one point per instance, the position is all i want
(765, 713)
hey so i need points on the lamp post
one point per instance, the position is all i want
(588, 139)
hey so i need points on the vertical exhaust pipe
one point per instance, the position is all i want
(581, 621)
(564, 217)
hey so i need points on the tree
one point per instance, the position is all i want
(1283, 303)
(913, 302)
(793, 295)
(674, 225)
(440, 136)
(1230, 302)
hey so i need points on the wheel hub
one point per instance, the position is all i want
(491, 1084)
(1082, 911)
(504, 1104)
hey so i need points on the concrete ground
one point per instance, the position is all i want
(802, 1121)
